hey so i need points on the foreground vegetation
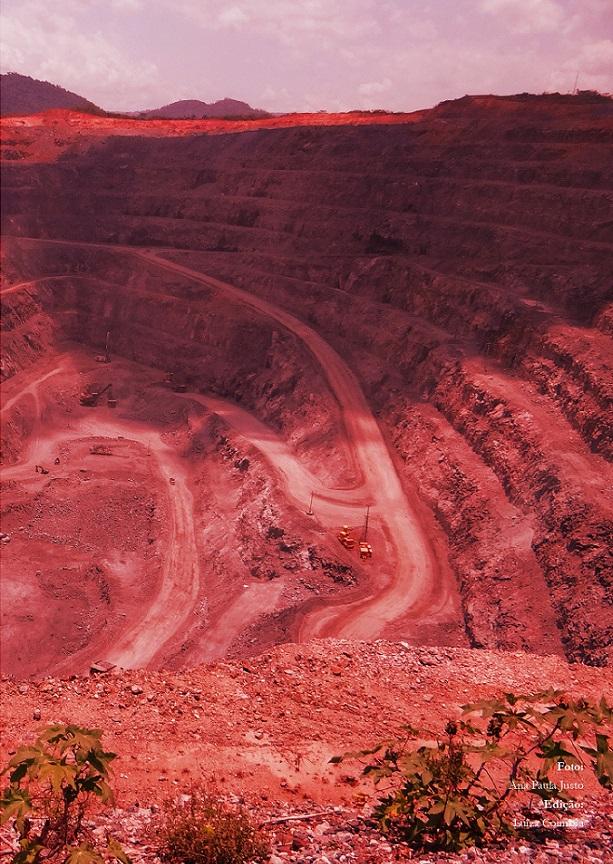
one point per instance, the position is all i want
(54, 788)
(203, 830)
(60, 783)
(506, 765)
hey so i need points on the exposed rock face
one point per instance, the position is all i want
(305, 702)
(461, 263)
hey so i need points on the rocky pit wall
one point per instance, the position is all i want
(536, 419)
(90, 539)
(247, 533)
(462, 265)
(160, 321)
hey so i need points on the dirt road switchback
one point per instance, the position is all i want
(410, 585)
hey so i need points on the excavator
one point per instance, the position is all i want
(90, 400)
(344, 536)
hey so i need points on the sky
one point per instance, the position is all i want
(308, 55)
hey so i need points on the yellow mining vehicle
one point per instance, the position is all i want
(365, 550)
(344, 536)
(349, 542)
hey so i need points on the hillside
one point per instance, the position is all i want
(263, 731)
(444, 280)
(20, 94)
(188, 108)
(222, 342)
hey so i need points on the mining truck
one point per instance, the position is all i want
(365, 550)
(344, 536)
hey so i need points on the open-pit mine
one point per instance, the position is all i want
(329, 376)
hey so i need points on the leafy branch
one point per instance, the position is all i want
(464, 788)
(53, 785)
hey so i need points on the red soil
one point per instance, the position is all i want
(310, 701)
(43, 137)
(407, 311)
(103, 542)
(364, 341)
(265, 729)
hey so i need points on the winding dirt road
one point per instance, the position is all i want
(404, 583)
(180, 583)
(412, 580)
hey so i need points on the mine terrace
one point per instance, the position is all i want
(321, 400)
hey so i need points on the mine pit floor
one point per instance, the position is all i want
(92, 576)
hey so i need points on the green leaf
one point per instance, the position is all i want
(603, 766)
(117, 852)
(30, 854)
(83, 855)
(59, 775)
(66, 765)
(19, 772)
(55, 733)
(104, 792)
(100, 760)
(15, 803)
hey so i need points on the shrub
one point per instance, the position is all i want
(204, 830)
(53, 786)
(468, 786)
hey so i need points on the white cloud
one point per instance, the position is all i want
(527, 16)
(38, 40)
(127, 5)
(591, 66)
(278, 96)
(373, 88)
(287, 21)
(323, 100)
(310, 54)
(597, 58)
(234, 16)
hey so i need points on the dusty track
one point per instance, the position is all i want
(406, 586)
(181, 572)
(413, 580)
(180, 584)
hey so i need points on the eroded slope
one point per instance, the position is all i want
(461, 266)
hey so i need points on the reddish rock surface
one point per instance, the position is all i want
(409, 312)
(458, 265)
(263, 731)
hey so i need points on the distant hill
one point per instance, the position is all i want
(20, 94)
(195, 108)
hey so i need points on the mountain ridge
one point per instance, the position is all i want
(187, 108)
(22, 94)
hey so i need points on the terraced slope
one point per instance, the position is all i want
(462, 265)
